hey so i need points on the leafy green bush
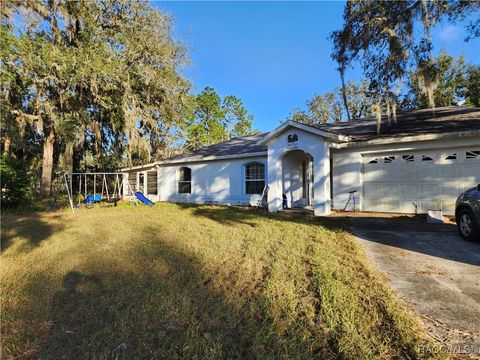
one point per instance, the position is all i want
(16, 183)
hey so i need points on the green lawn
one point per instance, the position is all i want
(196, 282)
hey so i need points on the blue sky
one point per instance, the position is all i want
(274, 55)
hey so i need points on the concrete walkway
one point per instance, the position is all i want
(434, 270)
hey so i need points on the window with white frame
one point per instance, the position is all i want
(184, 180)
(254, 178)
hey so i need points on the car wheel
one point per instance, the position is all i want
(467, 225)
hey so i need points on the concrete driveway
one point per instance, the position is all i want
(434, 270)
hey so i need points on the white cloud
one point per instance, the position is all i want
(450, 33)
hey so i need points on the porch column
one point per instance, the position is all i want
(321, 178)
(274, 177)
(159, 183)
(124, 184)
(145, 182)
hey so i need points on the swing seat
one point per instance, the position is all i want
(113, 201)
(91, 198)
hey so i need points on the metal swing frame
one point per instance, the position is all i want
(119, 182)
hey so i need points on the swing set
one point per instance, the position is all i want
(88, 198)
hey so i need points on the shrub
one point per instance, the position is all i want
(16, 183)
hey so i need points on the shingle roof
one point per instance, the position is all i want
(234, 146)
(417, 122)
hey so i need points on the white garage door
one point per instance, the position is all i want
(426, 179)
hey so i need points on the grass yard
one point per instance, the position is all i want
(198, 282)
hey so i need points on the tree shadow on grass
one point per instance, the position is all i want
(154, 298)
(225, 214)
(173, 308)
(33, 228)
(249, 216)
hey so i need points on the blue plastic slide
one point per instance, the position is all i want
(143, 199)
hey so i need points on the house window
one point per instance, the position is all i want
(152, 182)
(451, 157)
(408, 158)
(373, 161)
(141, 181)
(185, 180)
(427, 158)
(474, 154)
(132, 180)
(254, 178)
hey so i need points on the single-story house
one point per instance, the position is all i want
(421, 162)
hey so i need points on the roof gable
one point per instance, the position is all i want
(311, 129)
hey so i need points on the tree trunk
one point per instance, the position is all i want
(7, 142)
(388, 109)
(129, 155)
(47, 166)
(377, 109)
(344, 93)
(68, 158)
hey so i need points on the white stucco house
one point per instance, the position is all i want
(422, 162)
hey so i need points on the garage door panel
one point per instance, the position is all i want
(410, 172)
(429, 174)
(408, 189)
(428, 190)
(388, 174)
(374, 174)
(471, 174)
(431, 180)
(448, 191)
(450, 171)
(385, 204)
(378, 190)
(391, 204)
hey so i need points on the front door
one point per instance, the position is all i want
(310, 181)
(307, 180)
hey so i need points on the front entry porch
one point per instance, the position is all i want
(297, 179)
(298, 170)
